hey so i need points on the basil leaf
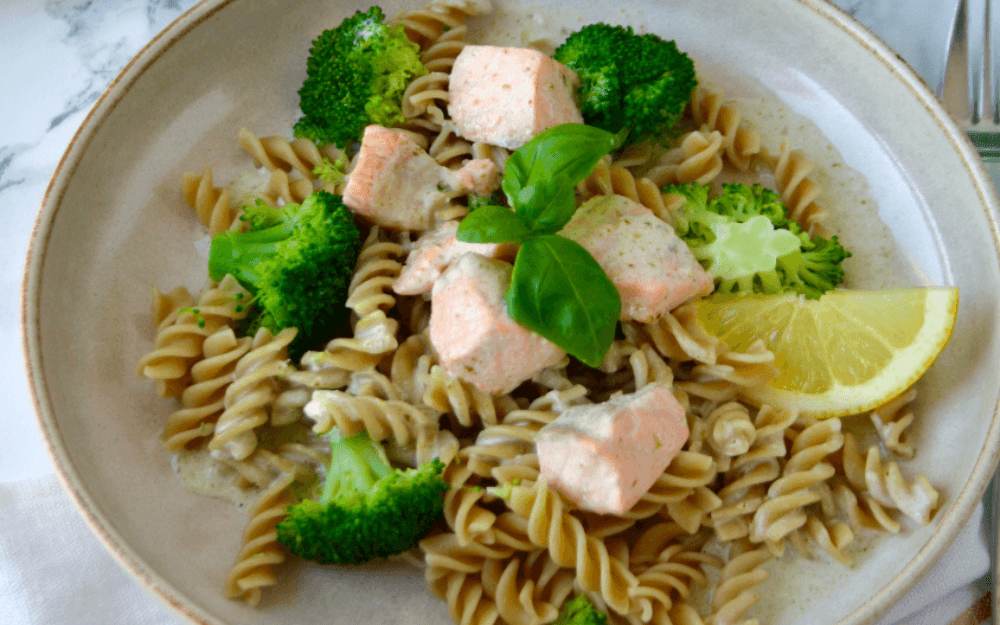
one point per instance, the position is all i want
(560, 292)
(541, 174)
(547, 206)
(492, 224)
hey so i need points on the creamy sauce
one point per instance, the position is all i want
(202, 475)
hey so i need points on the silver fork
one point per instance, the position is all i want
(970, 89)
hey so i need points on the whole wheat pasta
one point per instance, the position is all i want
(210, 203)
(248, 398)
(204, 400)
(741, 144)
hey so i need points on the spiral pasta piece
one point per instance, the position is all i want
(278, 153)
(183, 328)
(891, 421)
(833, 538)
(498, 457)
(467, 602)
(751, 473)
(731, 373)
(520, 599)
(449, 150)
(210, 203)
(445, 554)
(249, 396)
(425, 26)
(740, 144)
(410, 367)
(615, 179)
(791, 179)
(666, 571)
(736, 591)
(203, 401)
(697, 159)
(678, 335)
(469, 405)
(377, 268)
(732, 431)
(439, 29)
(381, 418)
(260, 550)
(374, 338)
(783, 510)
(886, 484)
(550, 526)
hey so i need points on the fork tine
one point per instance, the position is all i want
(954, 89)
(983, 96)
(990, 75)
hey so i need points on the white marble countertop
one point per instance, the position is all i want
(59, 55)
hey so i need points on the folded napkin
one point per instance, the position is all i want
(45, 548)
(54, 570)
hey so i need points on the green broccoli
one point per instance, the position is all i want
(744, 237)
(497, 198)
(297, 260)
(367, 509)
(355, 76)
(580, 611)
(331, 172)
(638, 82)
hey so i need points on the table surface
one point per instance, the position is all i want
(59, 55)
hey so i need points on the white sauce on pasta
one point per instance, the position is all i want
(204, 476)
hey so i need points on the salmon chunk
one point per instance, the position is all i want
(396, 184)
(652, 268)
(434, 251)
(480, 176)
(474, 337)
(604, 457)
(506, 96)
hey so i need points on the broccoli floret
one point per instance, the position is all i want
(331, 172)
(355, 76)
(638, 82)
(744, 237)
(815, 269)
(367, 509)
(297, 260)
(580, 611)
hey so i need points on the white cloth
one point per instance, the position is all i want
(54, 570)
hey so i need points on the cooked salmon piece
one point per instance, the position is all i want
(474, 337)
(604, 457)
(652, 268)
(434, 251)
(396, 184)
(505, 96)
(480, 176)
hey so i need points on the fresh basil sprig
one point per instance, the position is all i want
(557, 290)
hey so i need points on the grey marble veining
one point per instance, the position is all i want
(58, 57)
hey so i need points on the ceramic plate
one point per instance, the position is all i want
(911, 200)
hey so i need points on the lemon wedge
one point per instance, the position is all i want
(845, 353)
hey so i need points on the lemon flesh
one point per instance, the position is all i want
(845, 353)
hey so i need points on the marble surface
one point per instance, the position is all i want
(57, 58)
